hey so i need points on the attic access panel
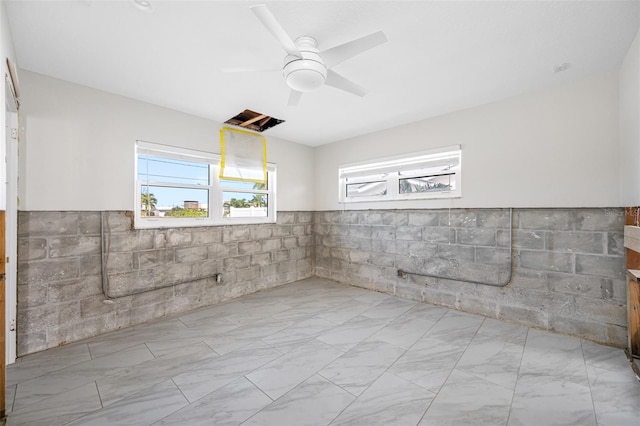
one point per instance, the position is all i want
(254, 121)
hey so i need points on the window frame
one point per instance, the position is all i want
(215, 201)
(220, 190)
(392, 166)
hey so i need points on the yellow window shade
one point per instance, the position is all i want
(244, 156)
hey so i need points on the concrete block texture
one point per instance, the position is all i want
(149, 273)
(546, 260)
(567, 265)
(576, 242)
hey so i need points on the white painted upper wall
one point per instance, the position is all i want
(78, 147)
(629, 115)
(554, 148)
(6, 51)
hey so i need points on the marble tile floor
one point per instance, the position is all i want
(317, 353)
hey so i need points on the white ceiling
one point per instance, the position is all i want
(441, 56)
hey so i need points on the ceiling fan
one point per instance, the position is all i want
(305, 67)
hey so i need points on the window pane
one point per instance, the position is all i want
(366, 189)
(428, 184)
(425, 171)
(244, 204)
(168, 170)
(236, 184)
(421, 175)
(368, 178)
(168, 202)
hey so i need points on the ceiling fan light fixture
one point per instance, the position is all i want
(305, 75)
(143, 5)
(305, 67)
(306, 71)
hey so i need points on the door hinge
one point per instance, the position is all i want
(12, 325)
(14, 133)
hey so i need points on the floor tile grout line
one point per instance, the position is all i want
(13, 400)
(491, 381)
(212, 349)
(273, 400)
(416, 342)
(339, 386)
(371, 384)
(189, 403)
(427, 330)
(487, 380)
(152, 383)
(129, 346)
(426, 410)
(55, 370)
(56, 394)
(246, 374)
(99, 396)
(515, 387)
(149, 349)
(262, 391)
(348, 405)
(453, 368)
(134, 394)
(87, 413)
(586, 369)
(89, 350)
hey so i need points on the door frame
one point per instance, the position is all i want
(11, 238)
(10, 204)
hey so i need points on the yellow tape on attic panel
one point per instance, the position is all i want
(237, 160)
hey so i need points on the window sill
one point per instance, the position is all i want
(177, 223)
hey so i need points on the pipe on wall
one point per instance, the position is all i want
(104, 257)
(403, 273)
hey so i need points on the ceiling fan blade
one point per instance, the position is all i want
(339, 82)
(274, 27)
(337, 54)
(294, 97)
(248, 69)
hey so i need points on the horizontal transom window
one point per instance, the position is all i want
(422, 175)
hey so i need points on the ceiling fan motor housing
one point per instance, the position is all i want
(308, 72)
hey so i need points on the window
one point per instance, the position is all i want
(180, 187)
(427, 174)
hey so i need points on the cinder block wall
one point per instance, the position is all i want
(60, 297)
(568, 264)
